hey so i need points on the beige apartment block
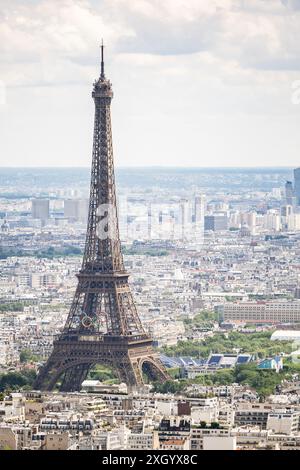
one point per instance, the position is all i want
(8, 439)
(59, 441)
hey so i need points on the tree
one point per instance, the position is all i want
(215, 425)
(12, 380)
(16, 380)
(223, 377)
(253, 343)
(27, 356)
(169, 386)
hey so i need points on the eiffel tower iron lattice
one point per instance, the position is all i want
(103, 326)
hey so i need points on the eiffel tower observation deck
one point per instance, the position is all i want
(103, 326)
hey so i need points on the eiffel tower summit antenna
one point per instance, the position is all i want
(103, 326)
(102, 60)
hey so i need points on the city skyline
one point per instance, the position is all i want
(213, 82)
(150, 243)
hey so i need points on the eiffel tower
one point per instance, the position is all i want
(103, 326)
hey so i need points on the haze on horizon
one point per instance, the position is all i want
(199, 84)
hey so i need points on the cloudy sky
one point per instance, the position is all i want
(196, 82)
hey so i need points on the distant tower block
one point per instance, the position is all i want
(40, 209)
(199, 210)
(76, 209)
(289, 193)
(172, 224)
(297, 185)
(5, 227)
(149, 214)
(103, 325)
(184, 218)
(252, 222)
(160, 224)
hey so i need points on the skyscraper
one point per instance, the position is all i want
(289, 193)
(199, 210)
(184, 218)
(297, 185)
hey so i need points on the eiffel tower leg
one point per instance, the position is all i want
(128, 372)
(154, 369)
(73, 377)
(48, 376)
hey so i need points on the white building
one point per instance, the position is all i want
(40, 209)
(167, 408)
(143, 441)
(271, 221)
(219, 442)
(207, 438)
(76, 209)
(262, 312)
(286, 335)
(209, 414)
(283, 422)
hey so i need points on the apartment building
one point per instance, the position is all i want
(210, 438)
(284, 422)
(262, 312)
(143, 441)
(248, 414)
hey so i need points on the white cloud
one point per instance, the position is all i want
(188, 76)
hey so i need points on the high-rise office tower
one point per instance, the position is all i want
(289, 193)
(199, 209)
(288, 218)
(184, 218)
(286, 210)
(297, 185)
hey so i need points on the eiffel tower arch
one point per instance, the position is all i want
(103, 326)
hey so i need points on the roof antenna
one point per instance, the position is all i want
(102, 60)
